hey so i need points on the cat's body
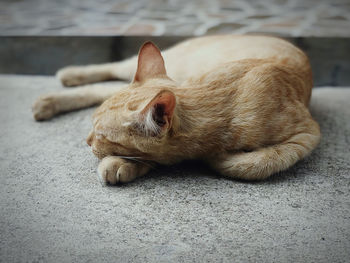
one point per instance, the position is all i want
(237, 102)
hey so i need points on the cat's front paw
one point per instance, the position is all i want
(44, 108)
(113, 170)
(72, 76)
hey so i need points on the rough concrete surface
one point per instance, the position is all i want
(53, 208)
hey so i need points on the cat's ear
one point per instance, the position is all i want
(150, 63)
(158, 114)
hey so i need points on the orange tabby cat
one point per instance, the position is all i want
(240, 103)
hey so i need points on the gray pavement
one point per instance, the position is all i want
(322, 18)
(53, 208)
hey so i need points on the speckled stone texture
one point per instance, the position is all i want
(53, 208)
(328, 18)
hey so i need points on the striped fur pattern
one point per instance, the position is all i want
(239, 103)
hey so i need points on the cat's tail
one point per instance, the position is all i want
(263, 162)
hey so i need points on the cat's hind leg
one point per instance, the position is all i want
(80, 75)
(261, 163)
(49, 105)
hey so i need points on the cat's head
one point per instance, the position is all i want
(137, 121)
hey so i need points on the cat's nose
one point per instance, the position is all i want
(90, 138)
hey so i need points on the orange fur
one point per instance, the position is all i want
(238, 103)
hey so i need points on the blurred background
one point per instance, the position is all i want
(40, 36)
(327, 18)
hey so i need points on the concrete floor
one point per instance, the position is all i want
(53, 208)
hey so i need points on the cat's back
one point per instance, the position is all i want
(199, 55)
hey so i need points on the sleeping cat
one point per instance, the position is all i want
(239, 103)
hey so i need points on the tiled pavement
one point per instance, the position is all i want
(175, 17)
